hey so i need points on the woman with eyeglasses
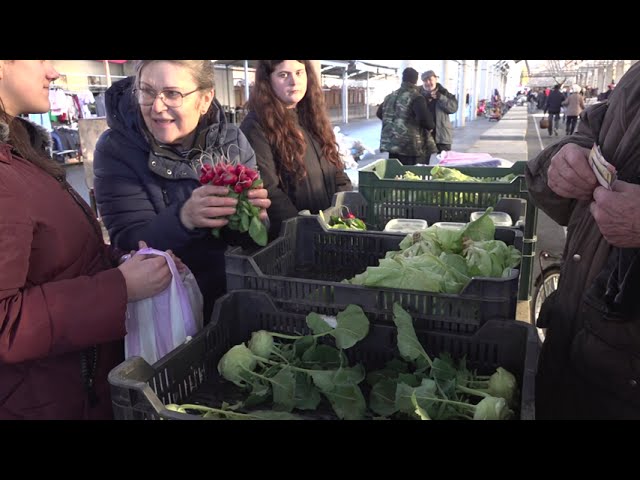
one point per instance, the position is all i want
(164, 123)
(289, 129)
(63, 296)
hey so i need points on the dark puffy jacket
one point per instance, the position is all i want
(140, 192)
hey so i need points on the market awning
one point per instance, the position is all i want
(356, 69)
(236, 63)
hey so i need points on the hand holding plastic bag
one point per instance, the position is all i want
(159, 324)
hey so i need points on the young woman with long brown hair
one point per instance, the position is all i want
(290, 132)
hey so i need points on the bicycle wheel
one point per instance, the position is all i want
(543, 289)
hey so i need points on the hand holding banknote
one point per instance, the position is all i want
(605, 172)
(569, 174)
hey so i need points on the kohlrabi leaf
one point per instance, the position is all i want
(382, 399)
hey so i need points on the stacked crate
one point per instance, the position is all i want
(448, 201)
(189, 373)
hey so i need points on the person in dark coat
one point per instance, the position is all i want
(407, 123)
(164, 124)
(553, 105)
(296, 151)
(441, 103)
(589, 367)
(62, 296)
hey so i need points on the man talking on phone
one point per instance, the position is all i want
(441, 103)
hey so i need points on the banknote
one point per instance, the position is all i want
(603, 170)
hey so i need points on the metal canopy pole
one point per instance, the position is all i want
(107, 70)
(366, 96)
(462, 98)
(345, 97)
(246, 81)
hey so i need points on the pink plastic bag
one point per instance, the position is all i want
(458, 159)
(159, 324)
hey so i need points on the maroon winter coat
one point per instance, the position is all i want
(59, 296)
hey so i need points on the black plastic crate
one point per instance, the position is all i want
(189, 373)
(377, 215)
(456, 200)
(303, 269)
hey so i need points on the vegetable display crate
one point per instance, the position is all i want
(376, 217)
(454, 200)
(189, 373)
(303, 269)
(379, 215)
(457, 200)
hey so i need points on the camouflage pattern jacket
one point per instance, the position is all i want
(401, 132)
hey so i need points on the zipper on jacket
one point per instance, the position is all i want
(165, 196)
(88, 358)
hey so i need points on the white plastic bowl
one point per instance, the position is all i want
(500, 219)
(405, 225)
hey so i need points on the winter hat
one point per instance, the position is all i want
(428, 74)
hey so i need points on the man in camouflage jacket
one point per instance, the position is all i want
(406, 123)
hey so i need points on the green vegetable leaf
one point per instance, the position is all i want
(403, 398)
(443, 368)
(422, 365)
(425, 395)
(380, 375)
(409, 379)
(329, 380)
(347, 401)
(307, 396)
(284, 386)
(317, 324)
(258, 231)
(481, 229)
(323, 379)
(408, 344)
(382, 399)
(260, 393)
(397, 365)
(271, 415)
(301, 345)
(352, 326)
(244, 222)
(323, 357)
(349, 375)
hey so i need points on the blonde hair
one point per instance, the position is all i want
(201, 70)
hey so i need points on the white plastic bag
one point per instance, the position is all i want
(159, 324)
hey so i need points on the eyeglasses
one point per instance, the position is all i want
(171, 98)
